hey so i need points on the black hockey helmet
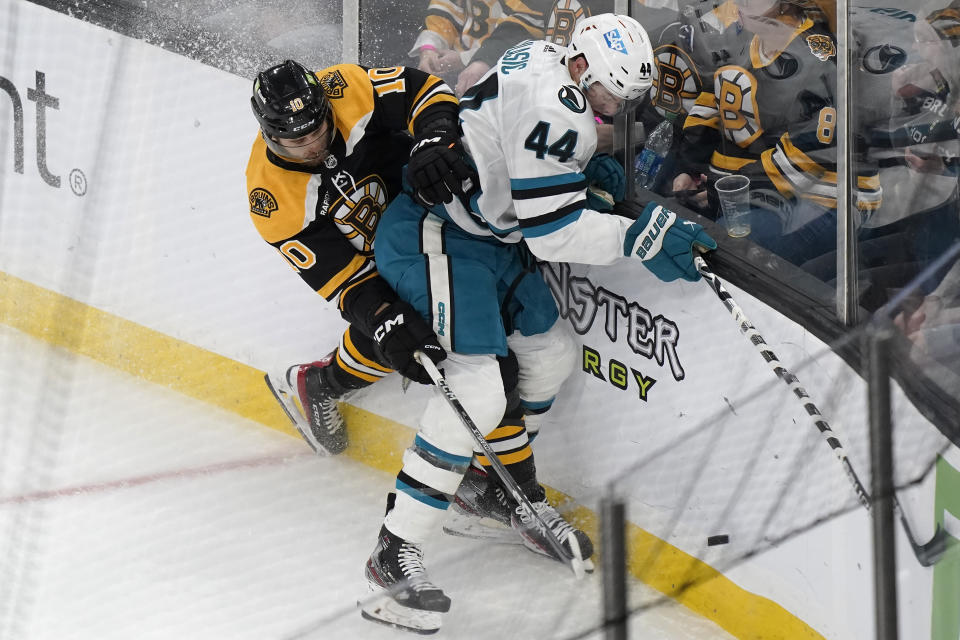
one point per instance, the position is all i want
(288, 102)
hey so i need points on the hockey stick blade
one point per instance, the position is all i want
(927, 554)
(573, 557)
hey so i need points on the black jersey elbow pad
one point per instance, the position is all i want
(359, 303)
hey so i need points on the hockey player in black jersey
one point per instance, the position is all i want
(328, 159)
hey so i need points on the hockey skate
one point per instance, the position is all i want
(402, 594)
(481, 509)
(534, 538)
(311, 404)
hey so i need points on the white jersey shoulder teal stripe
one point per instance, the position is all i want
(530, 132)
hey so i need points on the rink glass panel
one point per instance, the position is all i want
(907, 113)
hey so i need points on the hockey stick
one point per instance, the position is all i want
(575, 559)
(928, 553)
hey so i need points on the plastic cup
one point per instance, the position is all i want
(734, 195)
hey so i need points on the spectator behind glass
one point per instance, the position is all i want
(907, 80)
(701, 37)
(462, 39)
(933, 327)
(771, 115)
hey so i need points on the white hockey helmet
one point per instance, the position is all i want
(618, 52)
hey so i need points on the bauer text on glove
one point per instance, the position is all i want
(665, 243)
(399, 332)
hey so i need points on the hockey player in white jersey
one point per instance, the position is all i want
(470, 268)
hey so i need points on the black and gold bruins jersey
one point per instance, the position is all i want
(688, 51)
(323, 219)
(484, 28)
(772, 115)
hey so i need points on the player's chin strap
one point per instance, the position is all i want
(575, 558)
(928, 553)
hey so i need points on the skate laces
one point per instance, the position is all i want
(331, 414)
(410, 559)
(329, 418)
(560, 527)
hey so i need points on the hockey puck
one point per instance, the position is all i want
(713, 541)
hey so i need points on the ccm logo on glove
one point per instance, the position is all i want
(390, 323)
(437, 170)
(651, 238)
(399, 333)
(425, 142)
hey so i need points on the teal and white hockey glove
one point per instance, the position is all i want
(665, 243)
(599, 200)
(605, 172)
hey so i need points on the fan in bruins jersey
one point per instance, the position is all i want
(770, 114)
(328, 159)
(703, 36)
(462, 39)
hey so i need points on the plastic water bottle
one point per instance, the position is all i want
(649, 161)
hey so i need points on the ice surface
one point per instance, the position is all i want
(128, 510)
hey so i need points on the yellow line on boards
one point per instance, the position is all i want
(374, 441)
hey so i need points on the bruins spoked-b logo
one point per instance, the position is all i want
(562, 19)
(262, 202)
(677, 83)
(357, 213)
(333, 84)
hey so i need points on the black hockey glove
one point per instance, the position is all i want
(437, 168)
(400, 331)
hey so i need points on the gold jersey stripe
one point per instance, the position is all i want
(759, 61)
(435, 99)
(506, 431)
(729, 163)
(871, 183)
(363, 375)
(334, 283)
(350, 286)
(694, 121)
(773, 172)
(805, 164)
(359, 357)
(429, 85)
(508, 458)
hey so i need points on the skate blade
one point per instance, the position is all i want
(576, 563)
(385, 610)
(289, 406)
(478, 528)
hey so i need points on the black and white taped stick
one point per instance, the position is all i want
(575, 559)
(928, 553)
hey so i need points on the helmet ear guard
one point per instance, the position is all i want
(288, 102)
(618, 54)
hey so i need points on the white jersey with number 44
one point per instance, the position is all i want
(531, 131)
